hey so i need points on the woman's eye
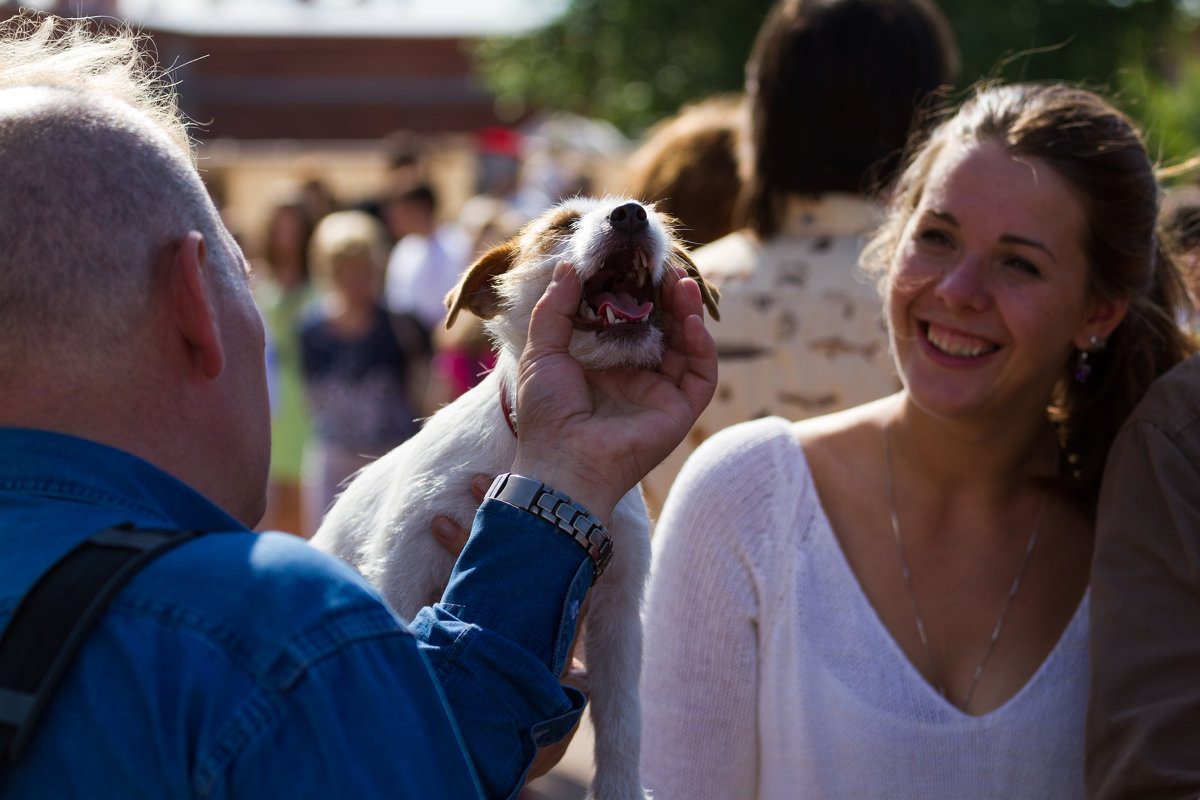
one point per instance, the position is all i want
(1023, 264)
(935, 237)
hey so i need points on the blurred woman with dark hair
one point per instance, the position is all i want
(832, 88)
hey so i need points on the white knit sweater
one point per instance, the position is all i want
(768, 673)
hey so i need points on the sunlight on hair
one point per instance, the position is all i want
(67, 54)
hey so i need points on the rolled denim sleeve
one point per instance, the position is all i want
(499, 639)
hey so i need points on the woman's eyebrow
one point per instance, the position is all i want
(1008, 238)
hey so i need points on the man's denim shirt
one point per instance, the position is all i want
(252, 666)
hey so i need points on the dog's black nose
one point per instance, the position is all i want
(630, 217)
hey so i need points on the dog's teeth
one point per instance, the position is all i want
(586, 311)
(612, 318)
(641, 276)
(583, 308)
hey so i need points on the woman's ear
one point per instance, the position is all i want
(1103, 317)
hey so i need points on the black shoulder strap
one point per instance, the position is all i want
(54, 617)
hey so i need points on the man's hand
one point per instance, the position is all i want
(594, 435)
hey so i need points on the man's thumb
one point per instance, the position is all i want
(551, 324)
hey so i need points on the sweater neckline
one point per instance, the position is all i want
(826, 540)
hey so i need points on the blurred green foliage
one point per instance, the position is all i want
(1145, 54)
(1167, 103)
(623, 61)
(632, 63)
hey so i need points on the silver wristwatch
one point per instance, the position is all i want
(555, 507)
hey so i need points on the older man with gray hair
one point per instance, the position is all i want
(134, 396)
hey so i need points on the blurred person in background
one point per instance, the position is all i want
(365, 367)
(283, 291)
(404, 167)
(317, 199)
(463, 354)
(427, 259)
(1143, 730)
(832, 91)
(1181, 232)
(687, 166)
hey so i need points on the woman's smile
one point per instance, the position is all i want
(955, 343)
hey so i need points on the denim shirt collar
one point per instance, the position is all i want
(64, 467)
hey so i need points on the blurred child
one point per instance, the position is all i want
(365, 369)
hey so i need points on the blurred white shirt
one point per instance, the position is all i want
(421, 270)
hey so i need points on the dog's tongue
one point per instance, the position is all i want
(623, 305)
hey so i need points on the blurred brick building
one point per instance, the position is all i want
(250, 69)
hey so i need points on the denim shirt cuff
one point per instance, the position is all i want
(527, 582)
(554, 730)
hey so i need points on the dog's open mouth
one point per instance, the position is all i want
(620, 293)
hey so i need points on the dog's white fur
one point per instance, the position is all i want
(381, 523)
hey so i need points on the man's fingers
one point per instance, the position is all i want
(699, 380)
(480, 485)
(551, 325)
(683, 295)
(689, 340)
(450, 534)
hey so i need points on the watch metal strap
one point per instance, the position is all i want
(555, 507)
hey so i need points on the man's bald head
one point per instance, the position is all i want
(125, 314)
(97, 181)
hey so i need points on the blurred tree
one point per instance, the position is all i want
(1078, 40)
(634, 63)
(627, 62)
(1142, 52)
(1168, 105)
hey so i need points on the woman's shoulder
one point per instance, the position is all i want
(774, 443)
(842, 431)
(836, 445)
(754, 470)
(769, 438)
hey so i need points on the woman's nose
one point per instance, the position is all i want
(963, 284)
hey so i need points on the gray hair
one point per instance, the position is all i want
(97, 182)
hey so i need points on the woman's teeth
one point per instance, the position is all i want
(958, 344)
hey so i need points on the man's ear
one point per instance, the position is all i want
(191, 296)
(1104, 315)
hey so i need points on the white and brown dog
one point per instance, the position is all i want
(381, 523)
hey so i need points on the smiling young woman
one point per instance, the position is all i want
(892, 600)
(989, 288)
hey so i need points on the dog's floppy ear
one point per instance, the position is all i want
(709, 293)
(475, 290)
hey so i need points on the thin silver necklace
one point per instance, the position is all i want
(912, 597)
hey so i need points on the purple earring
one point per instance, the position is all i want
(1083, 366)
